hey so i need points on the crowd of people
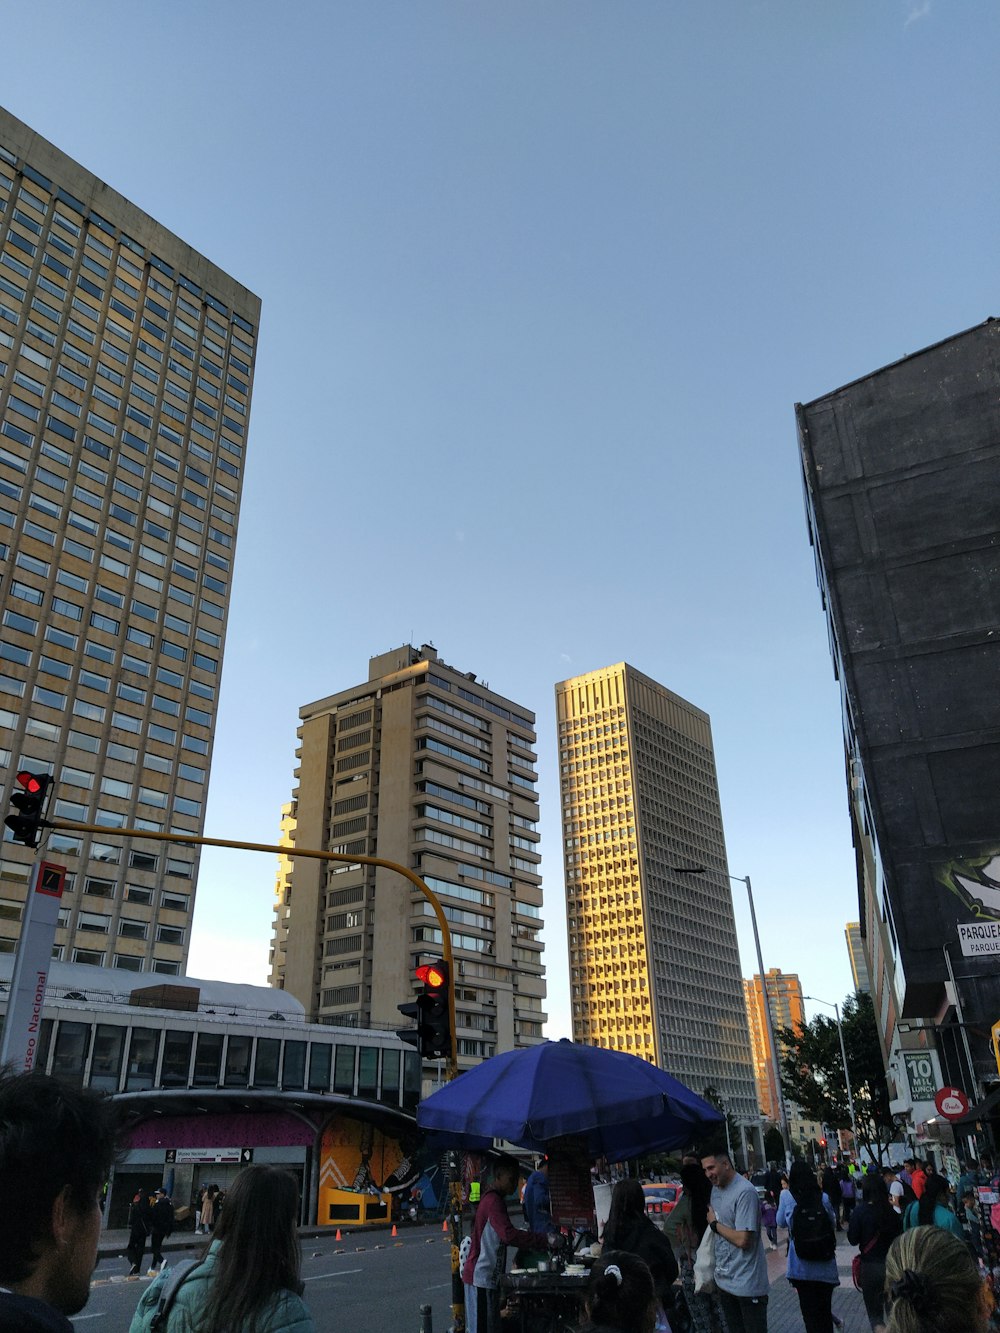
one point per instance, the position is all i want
(918, 1263)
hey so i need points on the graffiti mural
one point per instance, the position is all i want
(976, 882)
(359, 1164)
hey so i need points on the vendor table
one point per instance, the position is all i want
(546, 1302)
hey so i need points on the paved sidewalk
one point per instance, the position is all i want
(783, 1314)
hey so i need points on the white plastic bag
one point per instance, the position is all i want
(704, 1265)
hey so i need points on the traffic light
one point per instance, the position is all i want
(435, 1010)
(432, 1012)
(28, 799)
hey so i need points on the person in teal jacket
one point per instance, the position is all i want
(931, 1209)
(248, 1280)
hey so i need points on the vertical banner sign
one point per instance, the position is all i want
(23, 1023)
(921, 1076)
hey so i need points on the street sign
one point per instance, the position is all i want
(952, 1103)
(179, 1156)
(22, 1026)
(979, 937)
(920, 1075)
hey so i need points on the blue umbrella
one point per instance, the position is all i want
(622, 1105)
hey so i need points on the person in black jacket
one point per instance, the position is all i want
(161, 1223)
(139, 1214)
(874, 1225)
(628, 1228)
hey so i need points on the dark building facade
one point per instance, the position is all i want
(902, 484)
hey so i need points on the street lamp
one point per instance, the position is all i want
(843, 1055)
(775, 1063)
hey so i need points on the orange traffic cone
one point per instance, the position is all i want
(394, 1229)
(444, 1225)
(337, 1236)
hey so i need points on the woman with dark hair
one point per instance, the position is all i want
(933, 1286)
(628, 1228)
(684, 1227)
(874, 1225)
(248, 1279)
(932, 1210)
(813, 1278)
(620, 1295)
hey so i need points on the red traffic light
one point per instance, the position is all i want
(31, 782)
(434, 975)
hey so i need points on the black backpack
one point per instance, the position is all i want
(812, 1232)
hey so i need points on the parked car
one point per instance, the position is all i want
(661, 1199)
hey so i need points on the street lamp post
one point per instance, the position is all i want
(769, 1022)
(843, 1055)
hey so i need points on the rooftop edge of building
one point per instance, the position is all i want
(34, 150)
(899, 361)
(640, 675)
(403, 662)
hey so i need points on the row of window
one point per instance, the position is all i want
(115, 1058)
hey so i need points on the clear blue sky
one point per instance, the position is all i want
(541, 284)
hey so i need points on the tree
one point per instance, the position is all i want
(728, 1134)
(812, 1074)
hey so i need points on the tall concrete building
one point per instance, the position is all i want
(126, 363)
(424, 765)
(654, 963)
(856, 953)
(784, 993)
(903, 510)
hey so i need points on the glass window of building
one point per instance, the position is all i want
(343, 1070)
(238, 1050)
(368, 1072)
(293, 1069)
(71, 1050)
(106, 1065)
(208, 1059)
(176, 1059)
(265, 1071)
(143, 1052)
(319, 1066)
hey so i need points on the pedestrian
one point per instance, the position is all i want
(161, 1223)
(848, 1195)
(812, 1247)
(535, 1201)
(628, 1228)
(57, 1146)
(139, 1214)
(740, 1261)
(248, 1279)
(685, 1226)
(895, 1188)
(197, 1210)
(874, 1225)
(971, 1223)
(918, 1178)
(905, 1173)
(832, 1190)
(932, 1210)
(492, 1232)
(933, 1285)
(208, 1209)
(769, 1220)
(620, 1295)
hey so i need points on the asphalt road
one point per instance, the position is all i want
(368, 1283)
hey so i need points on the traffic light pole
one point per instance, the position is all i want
(285, 849)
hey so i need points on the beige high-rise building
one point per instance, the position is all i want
(784, 993)
(126, 364)
(654, 963)
(424, 765)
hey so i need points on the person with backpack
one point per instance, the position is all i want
(874, 1225)
(248, 1280)
(812, 1247)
